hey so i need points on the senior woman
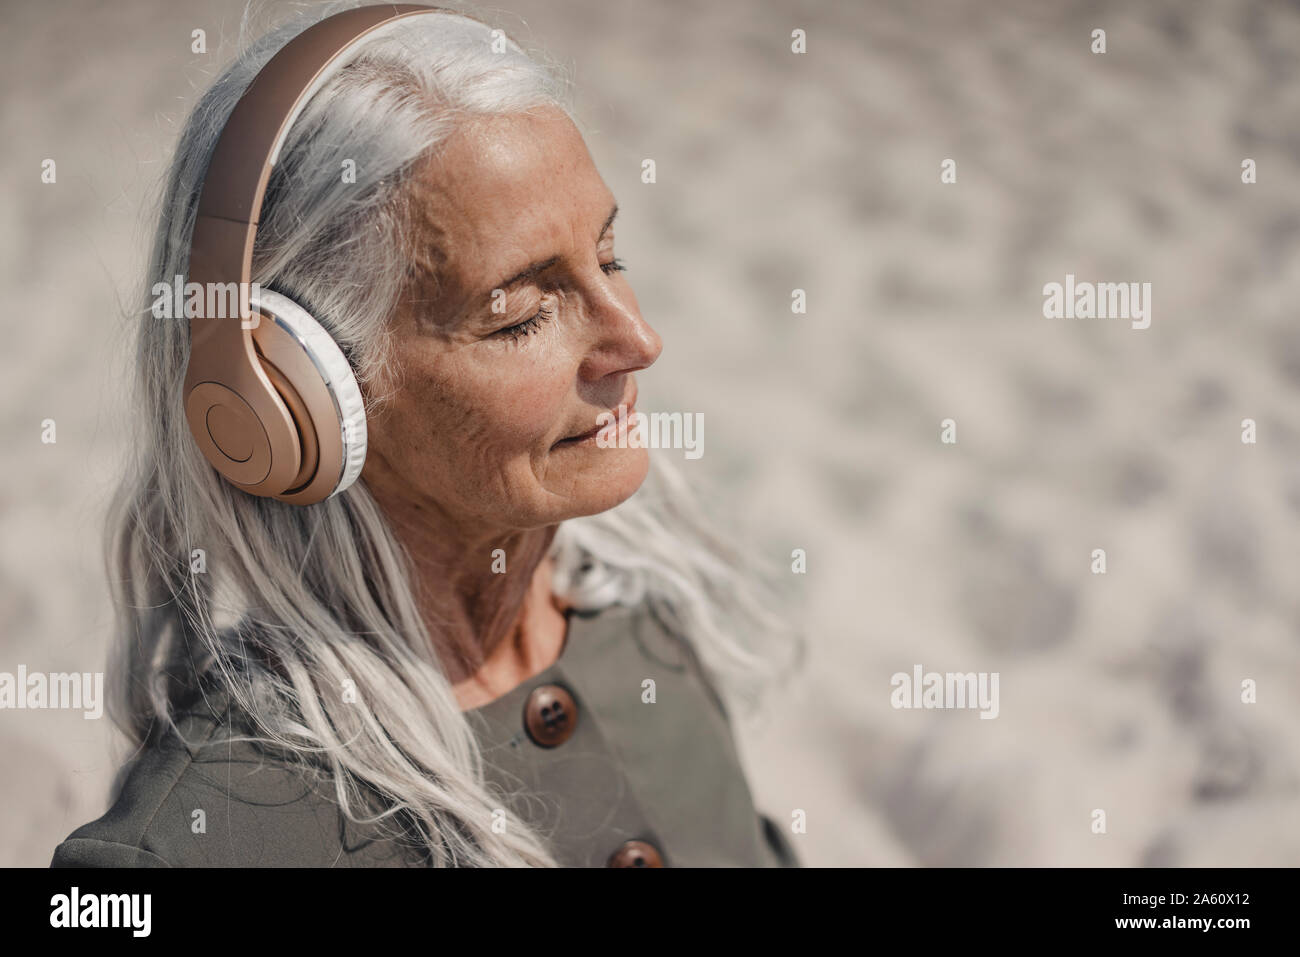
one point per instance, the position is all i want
(507, 643)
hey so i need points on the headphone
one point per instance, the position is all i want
(270, 398)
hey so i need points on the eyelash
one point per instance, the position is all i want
(528, 326)
(533, 323)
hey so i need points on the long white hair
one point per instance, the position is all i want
(295, 601)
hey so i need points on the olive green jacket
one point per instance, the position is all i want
(665, 774)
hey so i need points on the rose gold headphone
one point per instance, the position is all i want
(271, 400)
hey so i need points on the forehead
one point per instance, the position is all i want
(503, 191)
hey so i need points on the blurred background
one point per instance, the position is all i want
(821, 171)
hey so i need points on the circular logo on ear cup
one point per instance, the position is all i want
(228, 433)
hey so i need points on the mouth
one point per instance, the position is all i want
(628, 405)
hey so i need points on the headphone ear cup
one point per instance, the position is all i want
(318, 385)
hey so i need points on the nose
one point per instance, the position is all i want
(623, 341)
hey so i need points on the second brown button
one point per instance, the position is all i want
(636, 854)
(550, 716)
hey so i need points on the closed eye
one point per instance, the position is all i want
(534, 322)
(528, 326)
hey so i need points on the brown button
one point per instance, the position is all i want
(550, 716)
(636, 854)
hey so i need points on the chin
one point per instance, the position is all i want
(607, 478)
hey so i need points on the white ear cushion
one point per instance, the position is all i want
(334, 368)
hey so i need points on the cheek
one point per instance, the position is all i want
(483, 416)
(519, 405)
(524, 408)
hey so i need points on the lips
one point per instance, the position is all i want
(629, 407)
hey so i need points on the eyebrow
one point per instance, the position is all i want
(528, 272)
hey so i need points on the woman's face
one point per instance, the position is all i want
(517, 332)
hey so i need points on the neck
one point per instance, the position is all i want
(492, 629)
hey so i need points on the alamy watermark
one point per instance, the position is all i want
(75, 909)
(654, 430)
(212, 300)
(933, 689)
(63, 691)
(1100, 300)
